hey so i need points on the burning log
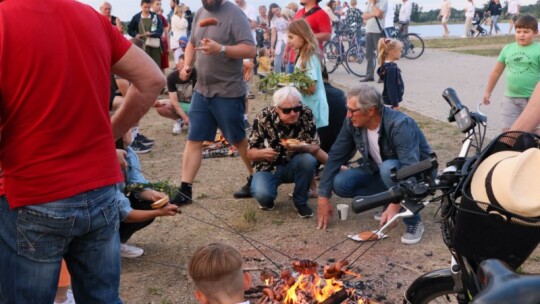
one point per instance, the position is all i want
(337, 297)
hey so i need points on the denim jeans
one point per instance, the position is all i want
(495, 23)
(357, 181)
(300, 171)
(83, 229)
(290, 67)
(278, 60)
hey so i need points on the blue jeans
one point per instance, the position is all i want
(83, 229)
(290, 68)
(300, 171)
(357, 181)
(495, 23)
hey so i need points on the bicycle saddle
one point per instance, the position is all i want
(503, 285)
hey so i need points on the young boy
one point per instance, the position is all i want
(523, 60)
(216, 269)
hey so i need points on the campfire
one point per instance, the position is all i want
(305, 285)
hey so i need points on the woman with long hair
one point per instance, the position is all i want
(308, 60)
(278, 36)
(179, 26)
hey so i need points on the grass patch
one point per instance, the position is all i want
(483, 52)
(155, 291)
(452, 43)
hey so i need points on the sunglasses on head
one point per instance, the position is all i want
(288, 110)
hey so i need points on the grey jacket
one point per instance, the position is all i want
(400, 138)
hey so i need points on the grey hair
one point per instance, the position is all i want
(286, 93)
(367, 97)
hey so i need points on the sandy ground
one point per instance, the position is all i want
(276, 237)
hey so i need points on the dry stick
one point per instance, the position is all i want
(226, 224)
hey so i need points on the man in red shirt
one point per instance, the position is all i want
(320, 24)
(57, 147)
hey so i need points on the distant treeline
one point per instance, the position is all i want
(419, 16)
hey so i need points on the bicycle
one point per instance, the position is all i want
(353, 59)
(483, 243)
(413, 45)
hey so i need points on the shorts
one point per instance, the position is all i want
(207, 114)
(514, 17)
(511, 109)
(444, 20)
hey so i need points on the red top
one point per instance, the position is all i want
(55, 133)
(319, 22)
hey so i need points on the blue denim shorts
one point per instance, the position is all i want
(207, 114)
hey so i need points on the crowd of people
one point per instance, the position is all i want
(67, 208)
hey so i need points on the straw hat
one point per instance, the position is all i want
(511, 177)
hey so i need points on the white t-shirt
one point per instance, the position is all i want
(470, 10)
(389, 15)
(374, 149)
(280, 24)
(513, 6)
(252, 14)
(405, 11)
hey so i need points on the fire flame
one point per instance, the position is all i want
(313, 285)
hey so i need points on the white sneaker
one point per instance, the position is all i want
(177, 128)
(69, 298)
(130, 251)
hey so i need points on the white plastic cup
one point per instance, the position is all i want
(343, 211)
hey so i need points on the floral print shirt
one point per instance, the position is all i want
(268, 130)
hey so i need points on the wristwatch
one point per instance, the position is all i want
(222, 51)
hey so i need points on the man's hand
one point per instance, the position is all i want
(324, 212)
(267, 154)
(209, 47)
(389, 213)
(185, 73)
(303, 148)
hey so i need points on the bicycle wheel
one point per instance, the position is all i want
(331, 56)
(355, 60)
(433, 288)
(413, 46)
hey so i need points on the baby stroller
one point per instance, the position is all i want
(476, 28)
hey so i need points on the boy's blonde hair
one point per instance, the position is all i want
(385, 46)
(262, 52)
(217, 268)
(302, 29)
(527, 22)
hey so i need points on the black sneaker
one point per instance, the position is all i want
(245, 191)
(181, 199)
(304, 211)
(139, 148)
(268, 207)
(144, 140)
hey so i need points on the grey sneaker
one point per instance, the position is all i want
(413, 233)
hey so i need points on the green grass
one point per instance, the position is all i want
(484, 52)
(451, 43)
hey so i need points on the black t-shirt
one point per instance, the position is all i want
(183, 88)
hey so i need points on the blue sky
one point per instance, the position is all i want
(125, 9)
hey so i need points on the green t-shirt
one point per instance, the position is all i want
(522, 68)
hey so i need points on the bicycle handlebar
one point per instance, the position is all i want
(364, 203)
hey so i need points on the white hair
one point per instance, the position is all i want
(287, 93)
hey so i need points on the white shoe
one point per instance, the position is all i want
(177, 128)
(130, 251)
(69, 298)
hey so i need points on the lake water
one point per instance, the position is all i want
(436, 30)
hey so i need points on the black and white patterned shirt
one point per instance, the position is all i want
(268, 130)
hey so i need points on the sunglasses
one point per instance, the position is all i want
(288, 110)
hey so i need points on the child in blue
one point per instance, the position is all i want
(388, 71)
(301, 38)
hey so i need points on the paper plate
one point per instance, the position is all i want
(357, 238)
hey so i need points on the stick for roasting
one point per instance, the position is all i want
(205, 23)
